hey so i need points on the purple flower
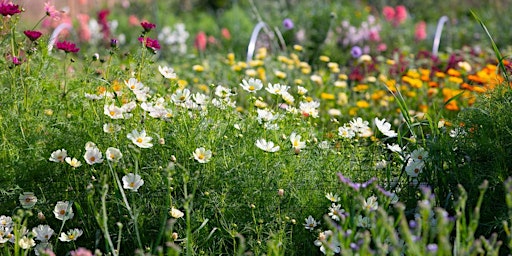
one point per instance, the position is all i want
(431, 247)
(67, 46)
(356, 51)
(9, 9)
(16, 61)
(32, 34)
(354, 185)
(287, 23)
(114, 43)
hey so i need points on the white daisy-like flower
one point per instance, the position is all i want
(346, 132)
(311, 223)
(419, 154)
(371, 203)
(132, 182)
(287, 97)
(27, 200)
(140, 139)
(394, 148)
(301, 90)
(335, 211)
(90, 145)
(200, 98)
(332, 197)
(111, 128)
(309, 108)
(414, 168)
(202, 155)
(113, 154)
(93, 156)
(265, 115)
(73, 162)
(385, 128)
(43, 233)
(180, 96)
(167, 72)
(252, 86)
(360, 127)
(58, 155)
(276, 89)
(266, 145)
(71, 235)
(223, 92)
(113, 111)
(63, 210)
(128, 107)
(296, 141)
(26, 243)
(175, 213)
(5, 221)
(324, 240)
(134, 84)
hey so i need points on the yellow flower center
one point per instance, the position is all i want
(201, 156)
(62, 212)
(112, 113)
(251, 88)
(139, 140)
(71, 237)
(132, 184)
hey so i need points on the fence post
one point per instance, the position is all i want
(439, 32)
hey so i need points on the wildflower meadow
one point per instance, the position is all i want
(255, 128)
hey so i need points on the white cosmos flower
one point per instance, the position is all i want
(309, 108)
(134, 84)
(140, 139)
(301, 90)
(346, 132)
(113, 154)
(202, 155)
(266, 146)
(385, 127)
(26, 243)
(277, 88)
(371, 203)
(200, 98)
(296, 141)
(58, 155)
(223, 92)
(111, 128)
(63, 211)
(181, 96)
(132, 182)
(43, 233)
(252, 85)
(93, 156)
(73, 162)
(113, 111)
(71, 235)
(27, 200)
(311, 223)
(394, 148)
(167, 72)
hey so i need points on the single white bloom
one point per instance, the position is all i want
(71, 235)
(276, 89)
(113, 111)
(73, 162)
(394, 148)
(223, 92)
(200, 98)
(332, 197)
(265, 115)
(113, 154)
(287, 97)
(414, 168)
(5, 221)
(167, 72)
(63, 210)
(335, 211)
(26, 243)
(58, 155)
(202, 155)
(43, 233)
(180, 96)
(90, 145)
(27, 200)
(311, 223)
(134, 84)
(132, 182)
(111, 128)
(419, 154)
(128, 107)
(266, 146)
(385, 127)
(296, 141)
(93, 156)
(346, 132)
(301, 90)
(309, 108)
(175, 213)
(140, 139)
(371, 203)
(252, 85)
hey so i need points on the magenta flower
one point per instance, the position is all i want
(32, 34)
(9, 9)
(67, 46)
(16, 61)
(148, 26)
(288, 23)
(150, 43)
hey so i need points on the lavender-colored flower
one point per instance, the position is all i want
(356, 186)
(288, 23)
(431, 247)
(356, 51)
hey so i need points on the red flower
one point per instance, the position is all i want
(9, 9)
(200, 41)
(103, 21)
(150, 43)
(32, 34)
(67, 46)
(148, 26)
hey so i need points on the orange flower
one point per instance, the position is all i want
(453, 72)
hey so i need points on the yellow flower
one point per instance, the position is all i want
(204, 88)
(250, 72)
(327, 96)
(390, 62)
(297, 47)
(280, 74)
(198, 68)
(231, 57)
(340, 84)
(352, 111)
(360, 88)
(261, 74)
(342, 99)
(324, 58)
(362, 104)
(342, 77)
(255, 63)
(182, 83)
(298, 81)
(306, 71)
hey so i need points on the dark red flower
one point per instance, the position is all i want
(32, 34)
(9, 9)
(150, 43)
(148, 26)
(103, 21)
(67, 46)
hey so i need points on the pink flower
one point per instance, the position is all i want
(150, 43)
(420, 32)
(389, 13)
(50, 10)
(400, 14)
(81, 252)
(85, 31)
(32, 34)
(9, 9)
(133, 20)
(382, 47)
(225, 33)
(200, 41)
(67, 46)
